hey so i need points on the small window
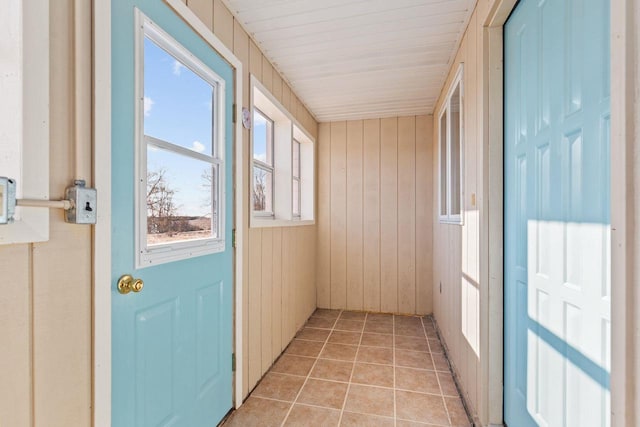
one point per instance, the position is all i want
(451, 151)
(282, 168)
(263, 165)
(296, 187)
(179, 154)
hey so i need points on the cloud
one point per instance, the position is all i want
(148, 103)
(177, 67)
(198, 146)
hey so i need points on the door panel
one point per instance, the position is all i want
(171, 342)
(557, 224)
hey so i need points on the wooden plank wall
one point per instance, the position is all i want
(458, 302)
(45, 303)
(279, 286)
(375, 215)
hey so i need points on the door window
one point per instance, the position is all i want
(180, 161)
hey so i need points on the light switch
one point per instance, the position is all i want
(473, 200)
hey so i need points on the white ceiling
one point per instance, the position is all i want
(354, 59)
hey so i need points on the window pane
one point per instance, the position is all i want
(181, 192)
(455, 150)
(296, 159)
(296, 197)
(262, 190)
(262, 138)
(443, 164)
(178, 103)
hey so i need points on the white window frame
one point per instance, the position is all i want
(158, 254)
(24, 115)
(444, 171)
(265, 166)
(285, 130)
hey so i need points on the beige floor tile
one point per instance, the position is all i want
(349, 325)
(279, 386)
(457, 412)
(413, 359)
(447, 384)
(379, 327)
(256, 412)
(440, 362)
(376, 355)
(351, 419)
(377, 340)
(378, 375)
(417, 380)
(293, 365)
(411, 343)
(320, 370)
(431, 334)
(304, 348)
(409, 330)
(343, 337)
(353, 315)
(405, 423)
(312, 334)
(332, 370)
(339, 352)
(407, 321)
(370, 400)
(305, 416)
(435, 346)
(320, 322)
(420, 407)
(329, 314)
(380, 317)
(327, 394)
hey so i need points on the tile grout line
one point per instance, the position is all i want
(309, 373)
(353, 369)
(444, 402)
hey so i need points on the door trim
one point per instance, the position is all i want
(101, 336)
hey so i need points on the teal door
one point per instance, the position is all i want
(557, 222)
(171, 221)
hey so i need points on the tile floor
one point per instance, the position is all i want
(357, 369)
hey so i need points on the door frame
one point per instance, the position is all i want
(101, 330)
(623, 375)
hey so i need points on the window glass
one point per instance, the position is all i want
(296, 159)
(443, 163)
(454, 111)
(296, 197)
(262, 138)
(182, 186)
(262, 190)
(178, 103)
(179, 197)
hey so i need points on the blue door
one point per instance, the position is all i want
(171, 221)
(557, 222)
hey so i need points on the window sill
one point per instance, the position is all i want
(451, 221)
(257, 222)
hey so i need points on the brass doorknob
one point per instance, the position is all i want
(128, 284)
